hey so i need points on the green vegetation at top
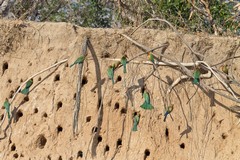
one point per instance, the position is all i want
(218, 16)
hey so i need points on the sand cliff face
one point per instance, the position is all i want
(41, 128)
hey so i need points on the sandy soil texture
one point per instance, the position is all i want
(201, 126)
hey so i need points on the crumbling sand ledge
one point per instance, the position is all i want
(43, 127)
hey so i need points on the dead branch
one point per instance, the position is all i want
(184, 77)
(189, 73)
(173, 64)
(79, 86)
(100, 99)
(174, 29)
(98, 72)
(218, 78)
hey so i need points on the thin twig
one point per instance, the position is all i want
(218, 78)
(225, 61)
(174, 29)
(188, 72)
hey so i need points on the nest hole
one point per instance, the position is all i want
(1, 117)
(5, 66)
(19, 114)
(94, 129)
(84, 80)
(166, 132)
(59, 129)
(59, 105)
(39, 78)
(57, 78)
(26, 99)
(106, 149)
(21, 80)
(17, 88)
(45, 115)
(179, 127)
(60, 158)
(35, 110)
(66, 65)
(74, 96)
(21, 155)
(11, 94)
(119, 143)
(224, 136)
(13, 147)
(99, 139)
(119, 78)
(182, 145)
(9, 81)
(41, 141)
(134, 114)
(88, 119)
(105, 55)
(146, 153)
(15, 155)
(80, 154)
(123, 111)
(116, 106)
(49, 157)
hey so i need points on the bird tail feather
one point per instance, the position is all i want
(124, 69)
(72, 65)
(25, 91)
(196, 81)
(112, 81)
(146, 106)
(134, 128)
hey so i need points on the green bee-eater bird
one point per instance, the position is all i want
(7, 107)
(196, 76)
(28, 85)
(136, 119)
(146, 104)
(150, 57)
(124, 63)
(168, 111)
(78, 61)
(110, 72)
(225, 69)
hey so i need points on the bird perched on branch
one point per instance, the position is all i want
(168, 111)
(25, 91)
(225, 69)
(136, 119)
(79, 60)
(124, 63)
(110, 72)
(196, 76)
(7, 107)
(146, 105)
(150, 57)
